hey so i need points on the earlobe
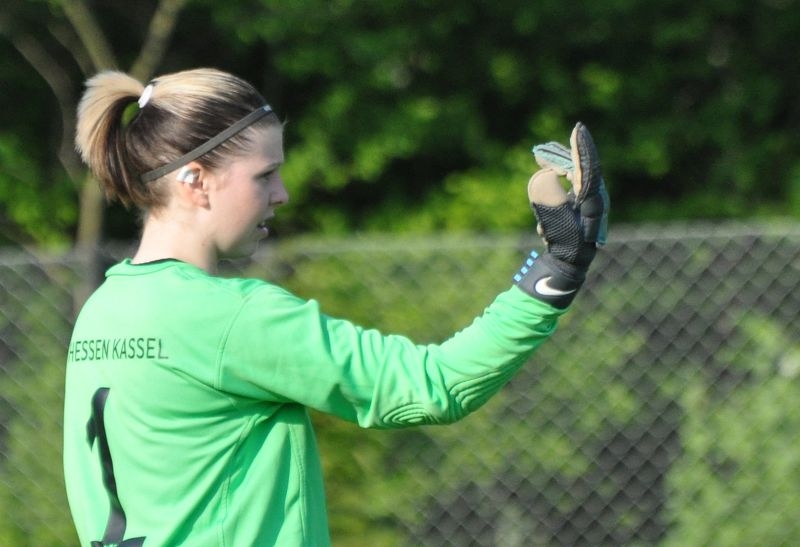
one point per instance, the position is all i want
(200, 194)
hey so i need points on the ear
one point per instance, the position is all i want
(193, 183)
(187, 175)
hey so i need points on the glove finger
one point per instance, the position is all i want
(589, 188)
(594, 217)
(587, 179)
(545, 189)
(556, 156)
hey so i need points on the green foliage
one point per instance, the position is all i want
(36, 203)
(740, 467)
(418, 116)
(33, 503)
(407, 105)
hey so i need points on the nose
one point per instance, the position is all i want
(280, 196)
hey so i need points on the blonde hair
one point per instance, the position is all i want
(119, 140)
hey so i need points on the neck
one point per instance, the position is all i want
(172, 239)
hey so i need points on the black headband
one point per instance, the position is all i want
(207, 146)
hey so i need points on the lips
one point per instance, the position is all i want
(263, 226)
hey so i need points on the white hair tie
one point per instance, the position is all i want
(146, 94)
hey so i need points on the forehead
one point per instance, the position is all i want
(267, 144)
(262, 147)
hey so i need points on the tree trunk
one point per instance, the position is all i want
(91, 204)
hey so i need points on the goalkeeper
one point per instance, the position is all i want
(185, 418)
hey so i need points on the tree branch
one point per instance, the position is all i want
(161, 26)
(57, 78)
(65, 35)
(90, 219)
(90, 33)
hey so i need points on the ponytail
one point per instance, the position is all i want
(103, 111)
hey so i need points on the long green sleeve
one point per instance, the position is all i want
(376, 380)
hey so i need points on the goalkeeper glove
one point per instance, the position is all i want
(573, 224)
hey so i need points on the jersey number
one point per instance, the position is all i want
(96, 429)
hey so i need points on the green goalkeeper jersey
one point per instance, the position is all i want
(208, 382)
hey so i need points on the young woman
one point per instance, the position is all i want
(185, 417)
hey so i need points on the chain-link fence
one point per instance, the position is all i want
(662, 412)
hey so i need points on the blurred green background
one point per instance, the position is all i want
(418, 116)
(409, 122)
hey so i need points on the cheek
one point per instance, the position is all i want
(253, 203)
(264, 195)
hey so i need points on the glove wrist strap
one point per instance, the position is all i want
(550, 280)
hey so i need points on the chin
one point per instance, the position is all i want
(242, 248)
(242, 252)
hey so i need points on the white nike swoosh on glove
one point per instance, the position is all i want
(543, 287)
